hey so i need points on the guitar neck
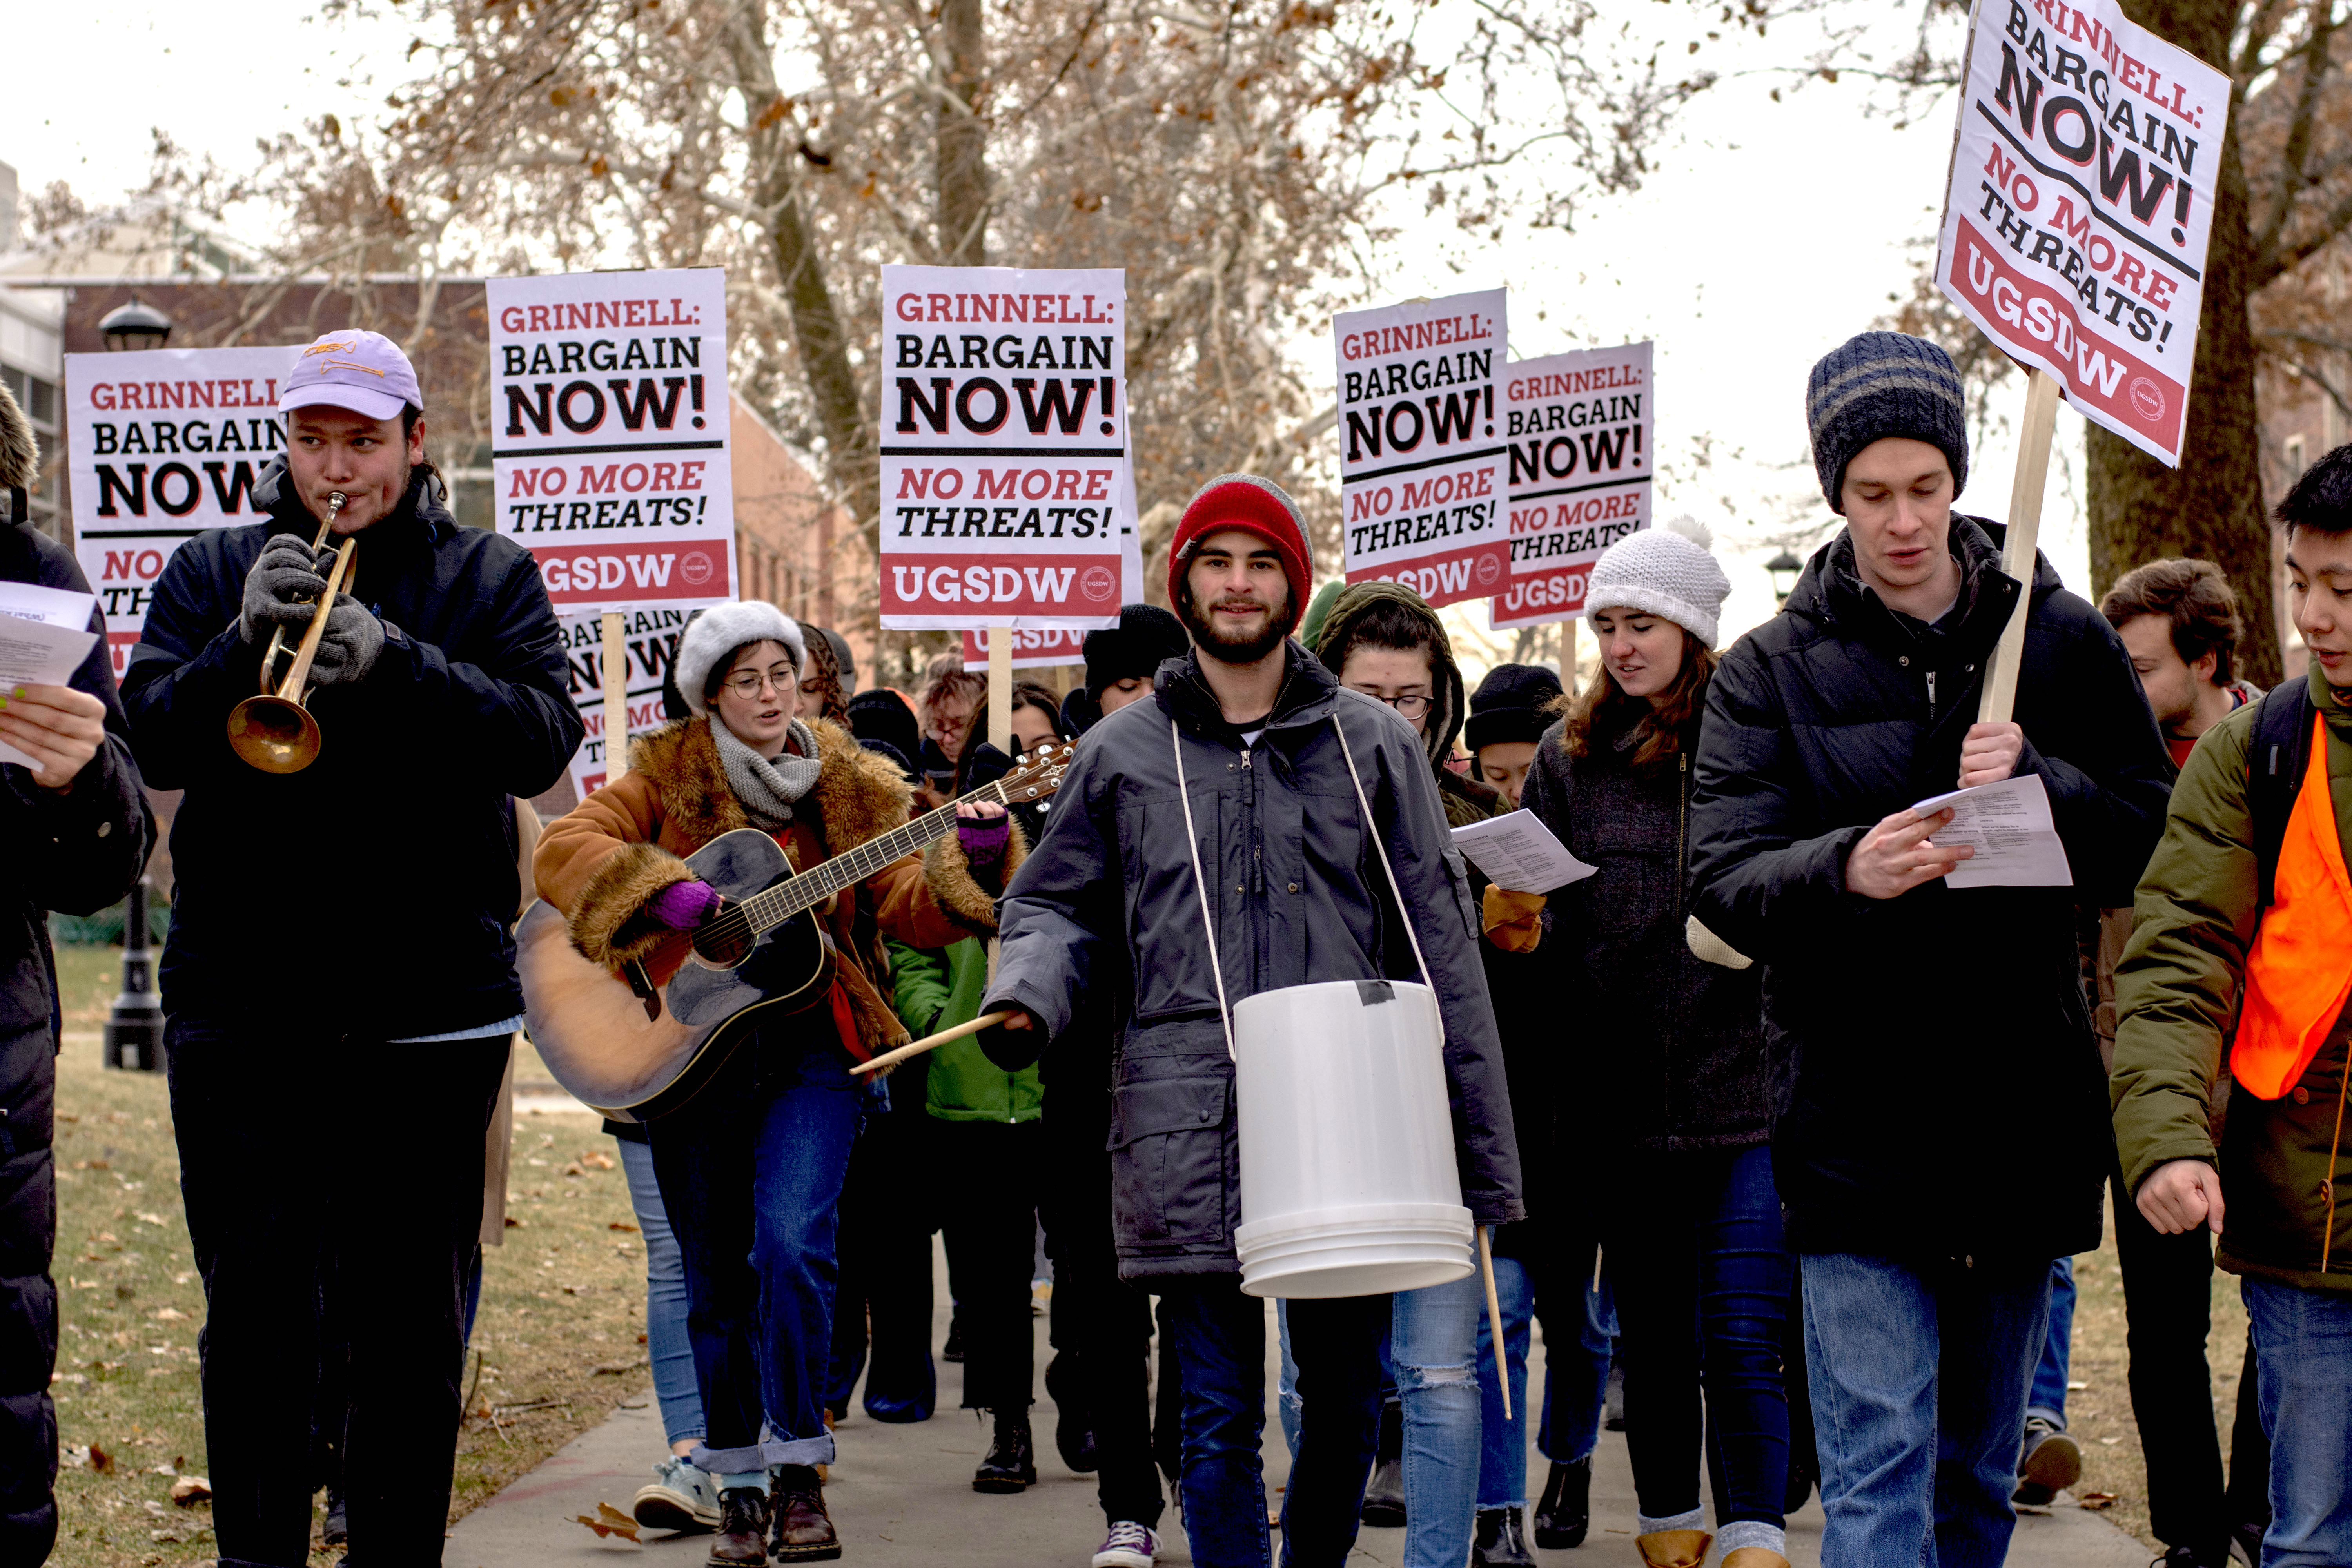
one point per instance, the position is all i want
(780, 903)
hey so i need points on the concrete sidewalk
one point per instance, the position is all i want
(902, 1498)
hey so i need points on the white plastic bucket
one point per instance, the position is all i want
(1349, 1185)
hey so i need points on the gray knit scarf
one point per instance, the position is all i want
(765, 789)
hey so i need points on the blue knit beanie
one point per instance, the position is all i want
(1877, 385)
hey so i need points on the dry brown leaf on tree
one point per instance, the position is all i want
(609, 1521)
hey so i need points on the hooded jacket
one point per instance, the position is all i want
(1109, 898)
(1467, 800)
(1948, 1099)
(397, 845)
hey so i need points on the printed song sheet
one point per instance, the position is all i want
(2007, 824)
(43, 637)
(1518, 852)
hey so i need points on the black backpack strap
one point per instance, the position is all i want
(2279, 751)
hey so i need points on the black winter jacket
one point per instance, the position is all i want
(1671, 1045)
(76, 852)
(1299, 898)
(1947, 1099)
(374, 890)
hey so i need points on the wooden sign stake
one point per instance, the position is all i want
(616, 699)
(2024, 537)
(1000, 688)
(1494, 1319)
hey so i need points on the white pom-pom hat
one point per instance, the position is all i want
(720, 631)
(1669, 572)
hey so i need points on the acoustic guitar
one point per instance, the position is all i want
(638, 1042)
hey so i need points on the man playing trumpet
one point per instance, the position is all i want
(340, 937)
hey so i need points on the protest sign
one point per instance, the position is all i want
(1422, 471)
(608, 400)
(1581, 430)
(649, 640)
(1008, 496)
(162, 445)
(2081, 201)
(1033, 649)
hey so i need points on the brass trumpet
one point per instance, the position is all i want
(274, 732)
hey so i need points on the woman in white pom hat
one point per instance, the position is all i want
(1675, 1096)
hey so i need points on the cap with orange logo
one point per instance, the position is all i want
(363, 371)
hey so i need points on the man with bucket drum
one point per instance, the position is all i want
(1250, 762)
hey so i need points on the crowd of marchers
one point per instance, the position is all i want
(1785, 1134)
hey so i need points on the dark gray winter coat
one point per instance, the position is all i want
(1948, 1099)
(1299, 898)
(1673, 1045)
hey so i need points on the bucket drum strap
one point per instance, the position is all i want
(1201, 886)
(1404, 911)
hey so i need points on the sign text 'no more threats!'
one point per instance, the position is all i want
(609, 424)
(2081, 203)
(1008, 495)
(1422, 469)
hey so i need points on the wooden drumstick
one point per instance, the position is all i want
(944, 1037)
(1495, 1322)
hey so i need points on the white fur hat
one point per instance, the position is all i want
(1669, 571)
(719, 631)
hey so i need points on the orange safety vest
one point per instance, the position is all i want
(2300, 972)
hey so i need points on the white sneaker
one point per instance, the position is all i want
(681, 1498)
(1129, 1545)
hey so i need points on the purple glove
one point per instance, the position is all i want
(682, 906)
(983, 839)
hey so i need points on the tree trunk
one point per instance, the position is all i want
(2211, 506)
(963, 139)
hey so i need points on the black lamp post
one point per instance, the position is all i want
(137, 325)
(134, 1029)
(1785, 569)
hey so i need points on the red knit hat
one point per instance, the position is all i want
(1256, 506)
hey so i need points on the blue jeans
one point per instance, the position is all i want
(1503, 1443)
(2047, 1398)
(1918, 1379)
(1433, 1348)
(2303, 1355)
(1576, 1377)
(666, 1344)
(1218, 1337)
(750, 1172)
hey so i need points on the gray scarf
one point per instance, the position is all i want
(766, 790)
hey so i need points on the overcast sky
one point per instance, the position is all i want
(1770, 234)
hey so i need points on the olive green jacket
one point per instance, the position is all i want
(2177, 997)
(936, 989)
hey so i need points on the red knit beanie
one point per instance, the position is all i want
(1256, 506)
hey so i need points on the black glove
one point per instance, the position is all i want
(286, 572)
(348, 650)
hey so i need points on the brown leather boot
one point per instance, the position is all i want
(803, 1531)
(743, 1538)
(1754, 1557)
(1674, 1548)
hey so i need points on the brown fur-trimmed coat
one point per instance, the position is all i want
(600, 862)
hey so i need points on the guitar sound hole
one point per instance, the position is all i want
(724, 949)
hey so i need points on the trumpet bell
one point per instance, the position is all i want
(274, 734)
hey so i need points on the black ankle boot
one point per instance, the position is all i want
(742, 1541)
(1384, 1493)
(1566, 1511)
(1012, 1464)
(1502, 1540)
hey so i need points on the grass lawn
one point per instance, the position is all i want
(558, 1343)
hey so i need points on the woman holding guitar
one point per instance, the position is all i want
(750, 1166)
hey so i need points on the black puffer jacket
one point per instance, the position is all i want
(1672, 1046)
(76, 852)
(1299, 898)
(404, 817)
(1948, 1099)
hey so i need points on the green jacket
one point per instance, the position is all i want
(938, 988)
(2177, 995)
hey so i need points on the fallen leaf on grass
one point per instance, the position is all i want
(2097, 1500)
(190, 1490)
(100, 1459)
(91, 1165)
(609, 1521)
(145, 1218)
(513, 1223)
(168, 1315)
(596, 1159)
(617, 1367)
(621, 1224)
